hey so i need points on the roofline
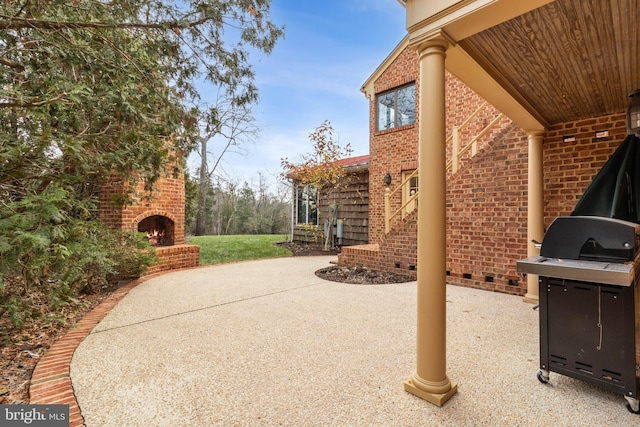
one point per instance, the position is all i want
(367, 87)
(363, 165)
(357, 168)
(467, 70)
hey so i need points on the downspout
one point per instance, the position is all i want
(293, 208)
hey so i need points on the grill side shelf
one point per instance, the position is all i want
(621, 274)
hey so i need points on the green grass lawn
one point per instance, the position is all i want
(220, 249)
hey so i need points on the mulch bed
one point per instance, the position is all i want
(360, 276)
(338, 273)
(307, 249)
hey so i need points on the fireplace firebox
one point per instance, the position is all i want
(159, 230)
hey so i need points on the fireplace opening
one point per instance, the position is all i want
(159, 230)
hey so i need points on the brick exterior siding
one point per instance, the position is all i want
(569, 167)
(167, 201)
(391, 150)
(487, 216)
(487, 196)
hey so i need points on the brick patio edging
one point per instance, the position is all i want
(51, 380)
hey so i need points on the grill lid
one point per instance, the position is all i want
(615, 191)
(591, 238)
(600, 237)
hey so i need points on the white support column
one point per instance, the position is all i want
(430, 381)
(535, 208)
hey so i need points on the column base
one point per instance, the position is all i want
(437, 399)
(531, 298)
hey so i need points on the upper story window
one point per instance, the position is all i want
(396, 107)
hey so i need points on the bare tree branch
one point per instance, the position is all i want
(60, 97)
(12, 64)
(16, 23)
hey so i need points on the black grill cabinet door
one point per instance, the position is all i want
(587, 331)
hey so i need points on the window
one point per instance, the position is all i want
(307, 205)
(396, 107)
(409, 190)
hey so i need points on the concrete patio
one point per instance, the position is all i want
(267, 343)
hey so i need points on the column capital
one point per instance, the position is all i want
(437, 39)
(533, 133)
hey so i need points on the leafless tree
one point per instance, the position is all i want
(230, 128)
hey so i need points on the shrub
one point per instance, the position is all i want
(52, 252)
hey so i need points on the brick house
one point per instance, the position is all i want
(560, 71)
(487, 191)
(472, 189)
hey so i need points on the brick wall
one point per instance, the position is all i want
(396, 150)
(392, 150)
(167, 200)
(175, 257)
(486, 222)
(367, 255)
(570, 166)
(487, 216)
(487, 197)
(487, 202)
(110, 211)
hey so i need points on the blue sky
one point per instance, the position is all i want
(314, 74)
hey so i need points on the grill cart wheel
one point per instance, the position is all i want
(543, 376)
(633, 405)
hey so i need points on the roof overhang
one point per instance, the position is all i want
(462, 19)
(464, 67)
(541, 62)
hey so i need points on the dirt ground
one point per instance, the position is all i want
(307, 249)
(18, 359)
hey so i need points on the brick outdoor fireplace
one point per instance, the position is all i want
(161, 217)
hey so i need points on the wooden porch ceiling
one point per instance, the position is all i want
(568, 60)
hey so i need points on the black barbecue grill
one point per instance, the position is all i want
(588, 280)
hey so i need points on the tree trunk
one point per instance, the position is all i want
(328, 239)
(202, 190)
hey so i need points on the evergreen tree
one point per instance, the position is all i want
(91, 89)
